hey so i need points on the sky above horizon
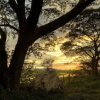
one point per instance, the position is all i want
(57, 54)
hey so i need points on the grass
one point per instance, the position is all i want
(82, 87)
(28, 94)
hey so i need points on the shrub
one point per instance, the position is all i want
(49, 82)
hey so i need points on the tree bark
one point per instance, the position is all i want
(16, 64)
(59, 22)
(3, 69)
(95, 71)
(3, 60)
(95, 68)
(27, 26)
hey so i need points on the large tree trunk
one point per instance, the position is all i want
(95, 68)
(3, 60)
(95, 71)
(16, 64)
(3, 69)
(17, 61)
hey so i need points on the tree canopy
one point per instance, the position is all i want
(85, 38)
(23, 16)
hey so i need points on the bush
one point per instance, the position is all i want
(49, 82)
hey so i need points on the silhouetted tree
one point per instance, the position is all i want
(29, 31)
(85, 40)
(48, 63)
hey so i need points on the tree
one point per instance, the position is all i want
(29, 31)
(85, 40)
(48, 63)
(3, 59)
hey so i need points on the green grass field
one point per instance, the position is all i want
(81, 87)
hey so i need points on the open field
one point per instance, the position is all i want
(83, 88)
(78, 88)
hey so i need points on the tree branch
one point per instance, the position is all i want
(13, 5)
(98, 34)
(8, 25)
(2, 39)
(19, 8)
(89, 36)
(86, 52)
(35, 11)
(20, 1)
(45, 29)
(21, 13)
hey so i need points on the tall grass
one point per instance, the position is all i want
(79, 87)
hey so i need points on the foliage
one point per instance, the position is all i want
(83, 88)
(48, 63)
(84, 39)
(45, 44)
(23, 17)
(49, 82)
(28, 94)
(80, 88)
(28, 73)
